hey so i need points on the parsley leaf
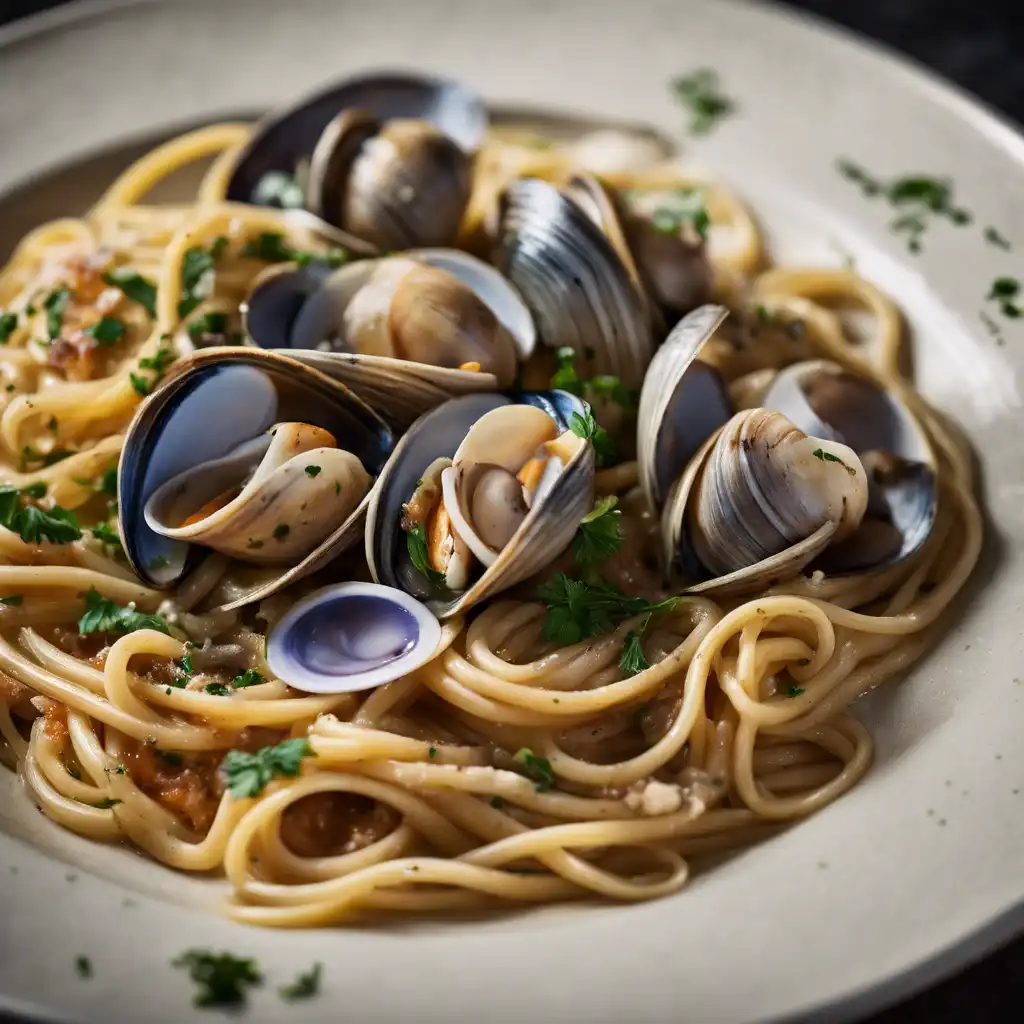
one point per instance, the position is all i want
(578, 610)
(585, 426)
(8, 325)
(135, 286)
(416, 542)
(993, 237)
(565, 378)
(270, 247)
(141, 385)
(106, 803)
(312, 471)
(104, 616)
(699, 92)
(33, 525)
(37, 490)
(207, 325)
(247, 774)
(538, 768)
(157, 362)
(107, 331)
(84, 966)
(217, 689)
(106, 534)
(278, 189)
(633, 660)
(600, 533)
(679, 207)
(55, 303)
(197, 275)
(304, 986)
(223, 979)
(250, 677)
(795, 691)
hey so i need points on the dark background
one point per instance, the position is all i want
(979, 44)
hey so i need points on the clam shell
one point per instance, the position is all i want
(209, 405)
(566, 256)
(683, 401)
(858, 413)
(743, 486)
(290, 134)
(299, 308)
(544, 534)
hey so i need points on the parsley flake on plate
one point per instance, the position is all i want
(222, 979)
(305, 986)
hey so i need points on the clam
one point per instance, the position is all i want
(251, 454)
(822, 398)
(385, 157)
(565, 250)
(404, 332)
(352, 636)
(828, 469)
(666, 239)
(480, 494)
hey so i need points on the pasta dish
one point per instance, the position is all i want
(438, 512)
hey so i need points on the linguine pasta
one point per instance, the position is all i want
(506, 770)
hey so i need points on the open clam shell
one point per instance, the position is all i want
(352, 636)
(565, 252)
(200, 439)
(823, 399)
(472, 315)
(683, 402)
(760, 501)
(458, 441)
(288, 136)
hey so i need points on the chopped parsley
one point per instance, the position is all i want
(55, 304)
(247, 774)
(134, 286)
(416, 542)
(305, 986)
(84, 966)
(32, 524)
(278, 189)
(208, 325)
(633, 660)
(197, 274)
(106, 534)
(223, 979)
(250, 677)
(578, 609)
(104, 616)
(917, 198)
(159, 362)
(312, 471)
(271, 247)
(604, 387)
(680, 207)
(13, 601)
(432, 752)
(141, 385)
(37, 490)
(217, 689)
(795, 691)
(106, 803)
(281, 531)
(993, 237)
(699, 92)
(585, 426)
(600, 533)
(8, 324)
(537, 768)
(1006, 292)
(106, 331)
(824, 456)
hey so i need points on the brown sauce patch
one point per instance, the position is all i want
(328, 824)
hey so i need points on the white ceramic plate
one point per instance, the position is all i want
(920, 867)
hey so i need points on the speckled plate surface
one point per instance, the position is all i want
(918, 869)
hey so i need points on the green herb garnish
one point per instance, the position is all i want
(700, 93)
(134, 286)
(107, 331)
(141, 385)
(106, 534)
(104, 616)
(14, 600)
(197, 275)
(304, 986)
(578, 609)
(585, 426)
(824, 456)
(538, 769)
(993, 237)
(416, 542)
(312, 471)
(247, 774)
(680, 207)
(37, 490)
(795, 691)
(223, 979)
(207, 325)
(250, 677)
(600, 533)
(217, 689)
(106, 803)
(158, 362)
(271, 248)
(55, 304)
(8, 324)
(84, 966)
(280, 190)
(32, 524)
(1005, 291)
(633, 660)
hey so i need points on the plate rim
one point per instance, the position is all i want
(1003, 925)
